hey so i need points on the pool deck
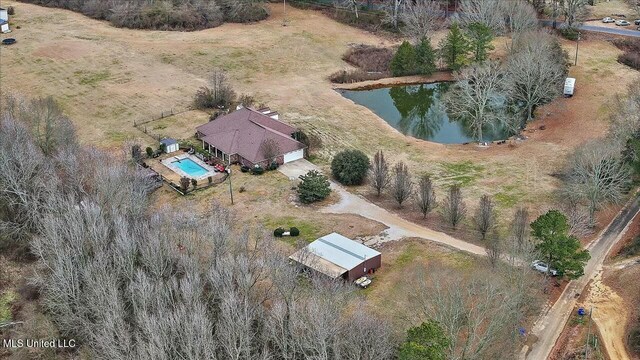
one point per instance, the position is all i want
(162, 165)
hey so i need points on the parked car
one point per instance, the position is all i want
(637, 22)
(543, 268)
(608, 20)
(363, 282)
(622, 23)
(219, 167)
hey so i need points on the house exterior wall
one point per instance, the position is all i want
(370, 264)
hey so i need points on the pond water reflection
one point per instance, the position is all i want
(418, 111)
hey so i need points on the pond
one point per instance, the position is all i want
(418, 111)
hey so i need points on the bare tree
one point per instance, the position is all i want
(350, 5)
(477, 313)
(453, 208)
(402, 186)
(574, 11)
(421, 18)
(597, 175)
(494, 249)
(478, 97)
(487, 12)
(520, 226)
(485, 217)
(379, 176)
(270, 149)
(520, 16)
(51, 129)
(534, 73)
(393, 9)
(426, 196)
(134, 283)
(27, 181)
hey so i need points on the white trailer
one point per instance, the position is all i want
(569, 87)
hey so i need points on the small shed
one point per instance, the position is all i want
(338, 257)
(4, 27)
(4, 14)
(569, 87)
(170, 145)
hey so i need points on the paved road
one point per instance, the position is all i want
(549, 327)
(629, 31)
(397, 227)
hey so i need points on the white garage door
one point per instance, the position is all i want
(294, 155)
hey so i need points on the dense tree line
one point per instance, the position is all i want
(165, 14)
(128, 281)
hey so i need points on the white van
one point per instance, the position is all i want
(569, 86)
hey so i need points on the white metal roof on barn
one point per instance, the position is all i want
(341, 251)
(334, 254)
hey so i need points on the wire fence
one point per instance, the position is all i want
(141, 124)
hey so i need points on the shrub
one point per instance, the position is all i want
(218, 95)
(161, 15)
(194, 183)
(569, 33)
(278, 232)
(184, 183)
(350, 167)
(257, 170)
(369, 58)
(242, 189)
(244, 168)
(634, 339)
(351, 76)
(404, 61)
(630, 59)
(149, 151)
(314, 187)
(631, 55)
(294, 231)
(273, 166)
(11, 10)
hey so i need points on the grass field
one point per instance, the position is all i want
(107, 78)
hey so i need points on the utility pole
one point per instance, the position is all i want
(230, 188)
(284, 7)
(577, 43)
(586, 349)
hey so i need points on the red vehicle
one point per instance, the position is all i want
(219, 167)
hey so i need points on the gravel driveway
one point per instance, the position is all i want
(397, 227)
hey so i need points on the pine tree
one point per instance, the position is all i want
(480, 37)
(404, 61)
(425, 57)
(454, 48)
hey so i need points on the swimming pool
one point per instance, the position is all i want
(190, 167)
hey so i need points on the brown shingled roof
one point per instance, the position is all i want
(243, 131)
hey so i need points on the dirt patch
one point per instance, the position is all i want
(66, 50)
(610, 314)
(625, 284)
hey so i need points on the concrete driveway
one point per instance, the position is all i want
(397, 227)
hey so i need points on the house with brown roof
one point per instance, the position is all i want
(241, 137)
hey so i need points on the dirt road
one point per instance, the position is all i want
(610, 313)
(549, 327)
(397, 227)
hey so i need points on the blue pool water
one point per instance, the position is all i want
(190, 167)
